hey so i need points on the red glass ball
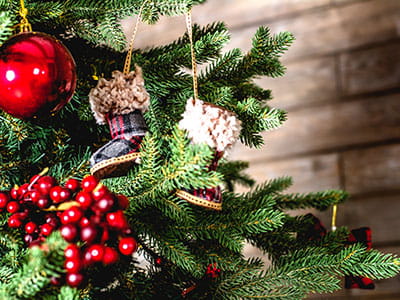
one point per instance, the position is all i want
(37, 75)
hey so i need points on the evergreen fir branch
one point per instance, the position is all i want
(318, 200)
(232, 173)
(6, 23)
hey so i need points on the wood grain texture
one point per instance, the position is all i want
(374, 169)
(370, 70)
(306, 83)
(333, 30)
(313, 173)
(329, 127)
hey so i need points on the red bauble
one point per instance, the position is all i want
(37, 75)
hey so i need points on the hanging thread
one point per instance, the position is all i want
(193, 54)
(128, 59)
(334, 214)
(24, 26)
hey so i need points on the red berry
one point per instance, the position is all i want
(87, 258)
(74, 213)
(127, 245)
(158, 261)
(56, 281)
(89, 183)
(117, 219)
(45, 184)
(34, 178)
(72, 251)
(35, 196)
(110, 256)
(74, 279)
(43, 203)
(46, 229)
(23, 189)
(30, 227)
(123, 201)
(65, 194)
(72, 184)
(12, 207)
(104, 204)
(96, 252)
(4, 198)
(88, 234)
(105, 235)
(72, 265)
(28, 239)
(84, 199)
(84, 222)
(55, 194)
(14, 222)
(69, 232)
(65, 218)
(14, 192)
(99, 192)
(52, 220)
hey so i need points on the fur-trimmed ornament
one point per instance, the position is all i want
(218, 128)
(120, 102)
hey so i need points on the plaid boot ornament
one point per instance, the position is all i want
(363, 236)
(218, 128)
(120, 102)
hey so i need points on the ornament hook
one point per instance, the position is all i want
(334, 215)
(128, 59)
(24, 26)
(193, 55)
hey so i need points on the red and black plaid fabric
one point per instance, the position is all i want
(316, 230)
(363, 236)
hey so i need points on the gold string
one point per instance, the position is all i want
(334, 214)
(193, 54)
(128, 59)
(24, 26)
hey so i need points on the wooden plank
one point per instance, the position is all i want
(373, 169)
(370, 70)
(328, 127)
(238, 13)
(335, 29)
(309, 174)
(306, 82)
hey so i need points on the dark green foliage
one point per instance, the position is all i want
(186, 238)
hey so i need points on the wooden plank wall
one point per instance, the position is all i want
(342, 93)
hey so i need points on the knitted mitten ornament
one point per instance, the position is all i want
(363, 236)
(120, 102)
(218, 128)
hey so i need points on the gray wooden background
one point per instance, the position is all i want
(341, 91)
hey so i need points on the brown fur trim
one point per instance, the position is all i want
(120, 95)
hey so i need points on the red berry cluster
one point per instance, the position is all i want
(212, 271)
(94, 216)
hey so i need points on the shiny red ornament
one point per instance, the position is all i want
(37, 75)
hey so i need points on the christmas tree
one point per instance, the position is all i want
(65, 235)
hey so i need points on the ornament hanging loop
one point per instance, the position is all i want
(24, 26)
(128, 59)
(334, 215)
(193, 55)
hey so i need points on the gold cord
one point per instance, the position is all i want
(128, 59)
(24, 26)
(334, 214)
(193, 54)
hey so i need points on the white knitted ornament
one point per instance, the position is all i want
(207, 123)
